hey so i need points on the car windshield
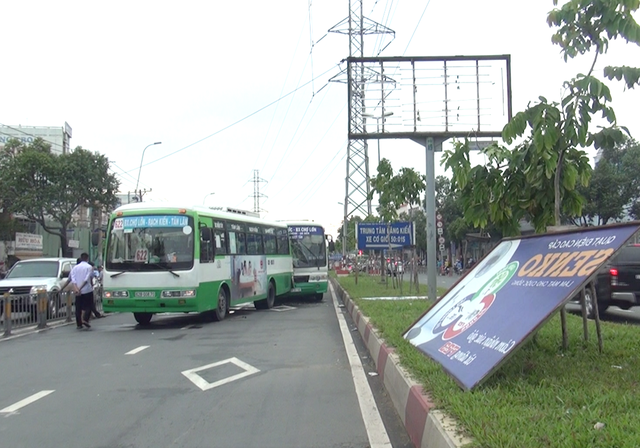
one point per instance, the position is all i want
(34, 269)
(308, 246)
(150, 242)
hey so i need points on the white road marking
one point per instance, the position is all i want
(205, 385)
(376, 431)
(22, 403)
(283, 308)
(137, 350)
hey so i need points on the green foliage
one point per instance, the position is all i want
(396, 190)
(541, 177)
(542, 396)
(614, 186)
(44, 186)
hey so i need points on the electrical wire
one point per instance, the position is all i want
(299, 169)
(284, 84)
(30, 135)
(416, 28)
(237, 121)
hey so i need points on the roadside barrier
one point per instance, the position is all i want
(40, 309)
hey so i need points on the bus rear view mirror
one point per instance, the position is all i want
(205, 234)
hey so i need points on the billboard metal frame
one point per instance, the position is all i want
(373, 73)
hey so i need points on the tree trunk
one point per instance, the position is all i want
(64, 243)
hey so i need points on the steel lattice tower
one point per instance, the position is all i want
(256, 191)
(357, 186)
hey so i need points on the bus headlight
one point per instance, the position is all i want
(116, 294)
(179, 293)
(318, 277)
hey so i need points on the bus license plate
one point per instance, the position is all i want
(296, 289)
(145, 294)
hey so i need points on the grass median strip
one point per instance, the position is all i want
(542, 396)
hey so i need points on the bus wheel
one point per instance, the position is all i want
(317, 297)
(223, 305)
(267, 303)
(143, 318)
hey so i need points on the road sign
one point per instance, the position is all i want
(440, 230)
(441, 240)
(373, 235)
(442, 248)
(439, 217)
(439, 224)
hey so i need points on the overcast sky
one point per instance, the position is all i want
(230, 87)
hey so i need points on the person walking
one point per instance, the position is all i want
(80, 279)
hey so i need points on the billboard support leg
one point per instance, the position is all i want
(430, 206)
(583, 307)
(596, 314)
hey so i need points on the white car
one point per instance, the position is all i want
(27, 277)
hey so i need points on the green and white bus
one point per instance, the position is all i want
(310, 263)
(163, 259)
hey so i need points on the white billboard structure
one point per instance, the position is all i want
(58, 137)
(428, 99)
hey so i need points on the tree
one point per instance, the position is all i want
(539, 178)
(395, 190)
(613, 187)
(46, 187)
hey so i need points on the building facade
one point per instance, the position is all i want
(58, 137)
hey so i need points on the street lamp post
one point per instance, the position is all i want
(384, 115)
(140, 169)
(206, 196)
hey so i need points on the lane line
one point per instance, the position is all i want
(378, 437)
(137, 350)
(22, 403)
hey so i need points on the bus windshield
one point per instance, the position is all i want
(308, 247)
(150, 243)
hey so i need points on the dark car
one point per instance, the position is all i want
(617, 282)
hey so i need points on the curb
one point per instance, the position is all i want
(427, 427)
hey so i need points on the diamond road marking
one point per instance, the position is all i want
(203, 384)
(283, 308)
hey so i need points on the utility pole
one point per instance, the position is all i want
(256, 191)
(137, 194)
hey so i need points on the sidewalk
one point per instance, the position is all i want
(427, 427)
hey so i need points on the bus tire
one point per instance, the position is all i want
(317, 297)
(143, 318)
(223, 306)
(267, 303)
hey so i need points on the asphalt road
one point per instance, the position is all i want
(279, 378)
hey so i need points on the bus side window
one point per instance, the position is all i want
(241, 243)
(283, 242)
(221, 243)
(270, 247)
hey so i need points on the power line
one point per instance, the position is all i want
(284, 84)
(416, 28)
(320, 173)
(30, 135)
(236, 122)
(314, 149)
(285, 117)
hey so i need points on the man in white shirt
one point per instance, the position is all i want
(80, 278)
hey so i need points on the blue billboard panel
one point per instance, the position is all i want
(373, 235)
(517, 287)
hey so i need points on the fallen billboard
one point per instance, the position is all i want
(517, 287)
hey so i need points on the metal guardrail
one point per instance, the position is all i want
(28, 310)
